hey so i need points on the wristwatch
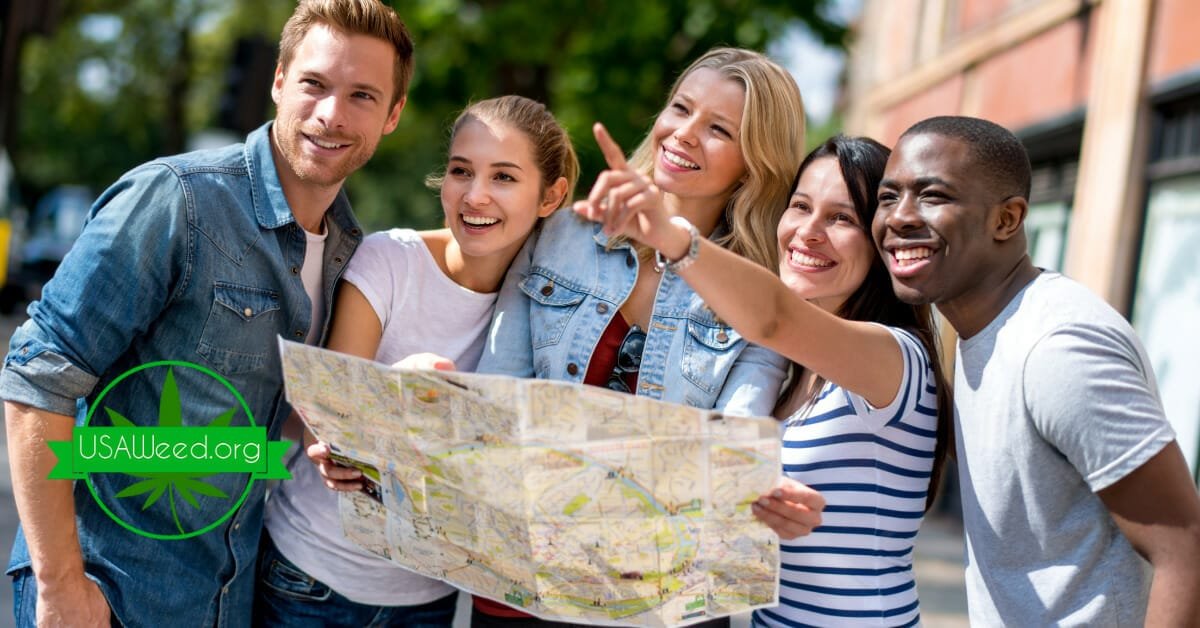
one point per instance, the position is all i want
(660, 263)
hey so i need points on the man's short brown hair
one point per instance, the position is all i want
(354, 17)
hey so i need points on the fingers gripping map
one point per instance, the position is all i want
(569, 502)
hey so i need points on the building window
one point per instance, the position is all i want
(1053, 147)
(1166, 302)
(1050, 212)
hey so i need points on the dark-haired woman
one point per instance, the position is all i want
(865, 420)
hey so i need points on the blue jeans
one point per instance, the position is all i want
(286, 596)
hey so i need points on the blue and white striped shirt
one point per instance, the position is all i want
(873, 467)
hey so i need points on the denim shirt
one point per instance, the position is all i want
(565, 287)
(195, 257)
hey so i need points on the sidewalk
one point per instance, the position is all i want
(938, 565)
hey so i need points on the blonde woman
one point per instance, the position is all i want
(582, 307)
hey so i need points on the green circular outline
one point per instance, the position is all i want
(92, 487)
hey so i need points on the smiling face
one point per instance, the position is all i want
(696, 139)
(932, 226)
(825, 251)
(332, 105)
(492, 193)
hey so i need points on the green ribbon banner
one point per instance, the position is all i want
(191, 450)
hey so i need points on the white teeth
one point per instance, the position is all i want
(807, 260)
(920, 252)
(479, 221)
(679, 161)
(324, 144)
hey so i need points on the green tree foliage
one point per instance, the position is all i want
(587, 59)
(109, 90)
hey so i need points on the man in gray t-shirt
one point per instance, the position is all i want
(1078, 506)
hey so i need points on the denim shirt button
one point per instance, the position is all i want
(572, 369)
(337, 260)
(547, 290)
(248, 312)
(299, 333)
(295, 270)
(722, 337)
(601, 308)
(629, 260)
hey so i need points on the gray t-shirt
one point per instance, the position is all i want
(1053, 401)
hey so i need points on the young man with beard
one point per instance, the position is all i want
(205, 258)
(1077, 503)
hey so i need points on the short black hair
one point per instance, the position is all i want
(991, 145)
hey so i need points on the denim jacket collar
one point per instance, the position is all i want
(271, 208)
(270, 205)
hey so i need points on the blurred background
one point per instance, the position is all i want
(92, 88)
(1104, 93)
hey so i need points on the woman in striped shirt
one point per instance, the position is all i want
(866, 417)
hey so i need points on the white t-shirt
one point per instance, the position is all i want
(421, 310)
(872, 465)
(310, 275)
(1053, 401)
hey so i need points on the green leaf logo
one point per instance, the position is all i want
(191, 488)
(170, 414)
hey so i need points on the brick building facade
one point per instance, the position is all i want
(1106, 96)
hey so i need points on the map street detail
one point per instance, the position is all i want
(569, 502)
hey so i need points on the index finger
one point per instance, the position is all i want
(608, 146)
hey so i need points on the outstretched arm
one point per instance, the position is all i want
(748, 297)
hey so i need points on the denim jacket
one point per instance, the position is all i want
(197, 258)
(565, 287)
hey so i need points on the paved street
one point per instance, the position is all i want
(939, 552)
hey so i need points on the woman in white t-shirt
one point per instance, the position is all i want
(867, 416)
(407, 292)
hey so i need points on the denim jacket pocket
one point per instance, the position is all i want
(708, 354)
(551, 306)
(240, 329)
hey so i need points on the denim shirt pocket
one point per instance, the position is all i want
(551, 306)
(240, 329)
(708, 354)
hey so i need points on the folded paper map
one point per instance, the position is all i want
(569, 502)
